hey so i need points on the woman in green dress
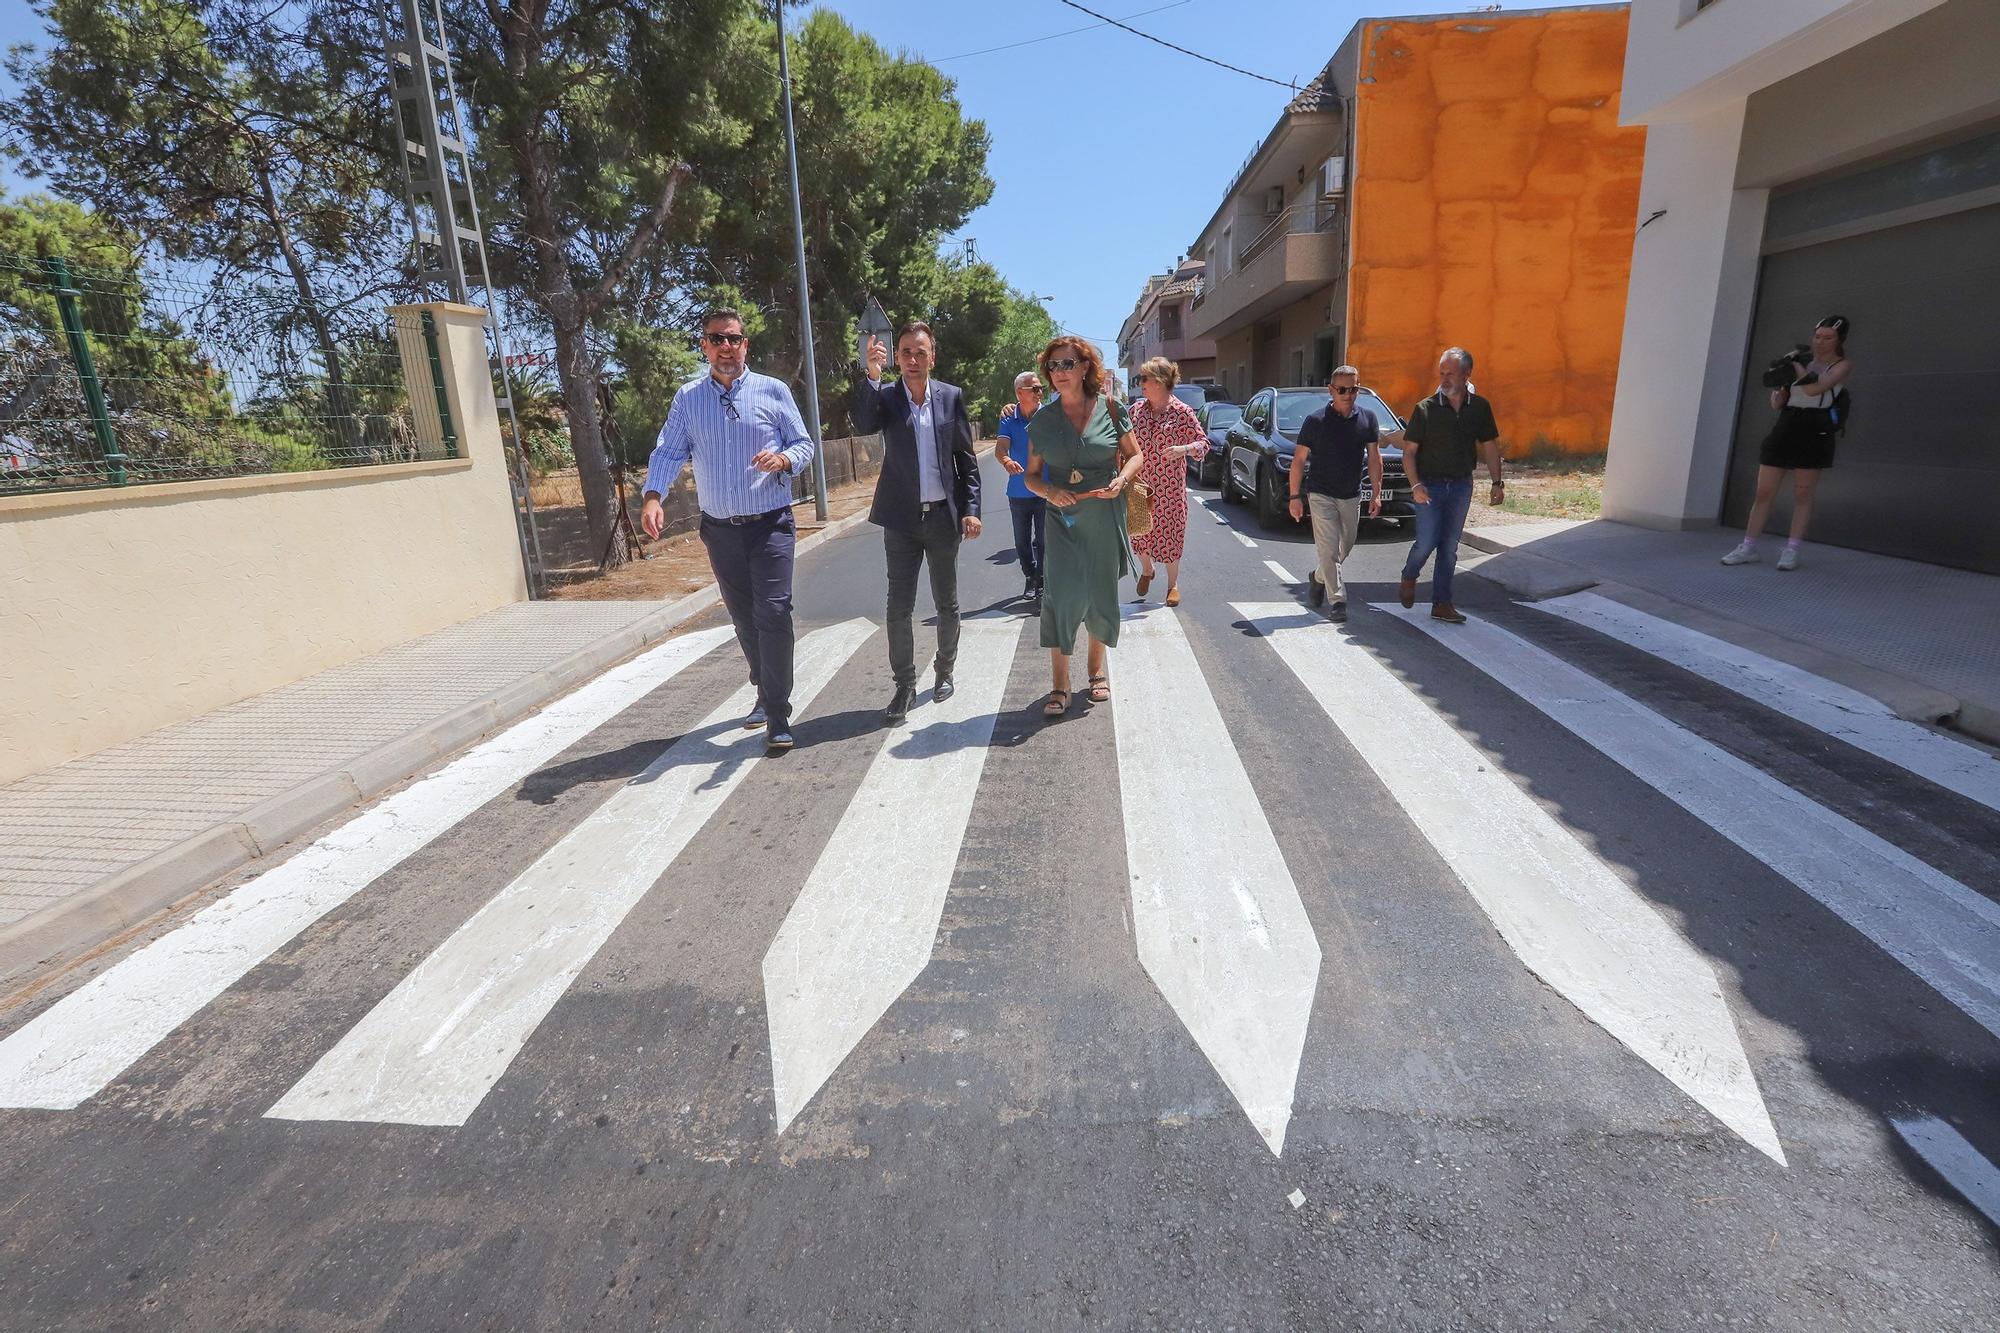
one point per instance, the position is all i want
(1081, 454)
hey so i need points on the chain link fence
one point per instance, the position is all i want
(119, 379)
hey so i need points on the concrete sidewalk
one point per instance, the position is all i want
(1922, 638)
(102, 843)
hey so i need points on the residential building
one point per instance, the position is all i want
(1158, 326)
(1447, 179)
(1807, 158)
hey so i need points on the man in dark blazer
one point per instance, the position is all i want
(926, 499)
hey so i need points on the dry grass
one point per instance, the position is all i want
(1544, 485)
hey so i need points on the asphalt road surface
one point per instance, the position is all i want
(1564, 969)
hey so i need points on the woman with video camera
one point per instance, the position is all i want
(1806, 390)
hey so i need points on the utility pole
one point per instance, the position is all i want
(805, 296)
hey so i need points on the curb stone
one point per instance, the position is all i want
(1535, 577)
(134, 895)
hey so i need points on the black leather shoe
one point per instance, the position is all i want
(944, 688)
(1316, 591)
(777, 739)
(1338, 615)
(756, 719)
(899, 706)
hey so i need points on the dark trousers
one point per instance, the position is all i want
(753, 568)
(1439, 524)
(1029, 547)
(936, 537)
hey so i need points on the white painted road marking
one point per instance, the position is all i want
(1962, 1165)
(1926, 920)
(1573, 922)
(863, 926)
(1284, 574)
(1241, 538)
(432, 1049)
(71, 1051)
(1847, 715)
(1219, 923)
(1216, 512)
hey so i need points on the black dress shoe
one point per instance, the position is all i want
(1315, 590)
(899, 706)
(756, 719)
(1338, 615)
(944, 688)
(777, 739)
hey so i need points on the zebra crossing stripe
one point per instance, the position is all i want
(73, 1050)
(1846, 715)
(1950, 1155)
(1562, 911)
(434, 1047)
(863, 926)
(1924, 919)
(1218, 920)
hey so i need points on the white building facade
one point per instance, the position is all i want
(1807, 158)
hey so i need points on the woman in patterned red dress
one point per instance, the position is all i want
(1168, 435)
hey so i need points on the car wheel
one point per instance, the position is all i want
(1225, 486)
(1269, 512)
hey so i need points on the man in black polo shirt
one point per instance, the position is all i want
(1334, 442)
(1448, 432)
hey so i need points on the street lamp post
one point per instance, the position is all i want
(805, 296)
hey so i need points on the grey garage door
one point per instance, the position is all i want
(1918, 472)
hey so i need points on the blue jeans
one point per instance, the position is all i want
(1439, 524)
(1029, 547)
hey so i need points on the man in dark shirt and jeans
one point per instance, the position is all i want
(1447, 433)
(1333, 444)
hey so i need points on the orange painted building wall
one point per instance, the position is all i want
(1494, 201)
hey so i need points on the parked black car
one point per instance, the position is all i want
(1259, 447)
(1216, 418)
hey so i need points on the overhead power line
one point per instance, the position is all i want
(1234, 69)
(1068, 32)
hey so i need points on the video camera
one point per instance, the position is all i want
(1781, 374)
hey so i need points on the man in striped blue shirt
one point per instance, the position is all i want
(747, 441)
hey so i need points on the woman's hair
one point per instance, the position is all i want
(1839, 325)
(1161, 369)
(1092, 362)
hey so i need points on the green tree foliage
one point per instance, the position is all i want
(155, 376)
(208, 129)
(888, 165)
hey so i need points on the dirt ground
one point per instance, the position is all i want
(1542, 488)
(674, 565)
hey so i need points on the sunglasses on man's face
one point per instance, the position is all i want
(1347, 392)
(1064, 364)
(1034, 389)
(727, 339)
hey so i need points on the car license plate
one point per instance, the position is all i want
(1367, 491)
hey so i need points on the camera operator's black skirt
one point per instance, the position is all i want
(1803, 438)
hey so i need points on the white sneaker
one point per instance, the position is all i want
(1744, 554)
(1788, 558)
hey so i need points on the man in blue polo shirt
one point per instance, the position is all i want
(1028, 508)
(1334, 443)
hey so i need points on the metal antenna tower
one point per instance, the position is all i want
(450, 247)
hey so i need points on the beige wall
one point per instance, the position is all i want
(126, 610)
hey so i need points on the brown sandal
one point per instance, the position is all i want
(1100, 689)
(1056, 704)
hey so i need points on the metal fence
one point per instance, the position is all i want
(119, 379)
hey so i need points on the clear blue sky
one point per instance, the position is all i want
(1108, 152)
